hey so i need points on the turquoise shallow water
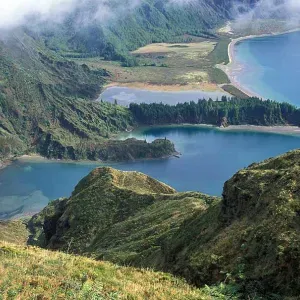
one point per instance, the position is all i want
(210, 157)
(270, 66)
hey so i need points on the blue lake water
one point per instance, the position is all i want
(209, 157)
(125, 96)
(270, 66)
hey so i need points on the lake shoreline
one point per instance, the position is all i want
(38, 158)
(201, 87)
(233, 65)
(278, 129)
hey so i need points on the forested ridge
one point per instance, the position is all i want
(228, 111)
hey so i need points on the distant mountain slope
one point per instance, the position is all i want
(249, 238)
(46, 107)
(150, 21)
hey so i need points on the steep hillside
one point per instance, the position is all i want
(249, 238)
(46, 107)
(132, 26)
(32, 273)
(130, 201)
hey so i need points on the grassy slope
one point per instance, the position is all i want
(129, 200)
(33, 273)
(14, 232)
(249, 238)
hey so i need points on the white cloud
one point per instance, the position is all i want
(14, 12)
(17, 12)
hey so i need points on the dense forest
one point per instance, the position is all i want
(231, 111)
(132, 26)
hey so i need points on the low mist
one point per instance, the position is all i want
(287, 11)
(14, 13)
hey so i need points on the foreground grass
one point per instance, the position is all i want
(32, 273)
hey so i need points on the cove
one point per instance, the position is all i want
(209, 157)
(269, 66)
(125, 96)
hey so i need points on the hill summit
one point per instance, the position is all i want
(250, 237)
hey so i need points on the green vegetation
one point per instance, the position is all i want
(49, 79)
(152, 21)
(169, 64)
(245, 245)
(14, 231)
(220, 53)
(124, 195)
(32, 273)
(46, 107)
(234, 111)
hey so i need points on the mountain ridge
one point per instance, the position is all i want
(247, 238)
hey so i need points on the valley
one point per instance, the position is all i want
(170, 67)
(209, 156)
(138, 159)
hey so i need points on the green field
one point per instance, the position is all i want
(184, 64)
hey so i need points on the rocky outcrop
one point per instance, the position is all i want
(106, 150)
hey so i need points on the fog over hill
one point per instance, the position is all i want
(74, 15)
(18, 12)
(288, 10)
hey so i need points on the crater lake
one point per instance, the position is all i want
(269, 66)
(210, 156)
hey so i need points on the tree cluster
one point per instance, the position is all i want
(252, 111)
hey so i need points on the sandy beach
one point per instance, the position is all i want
(233, 68)
(294, 130)
(201, 86)
(280, 129)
